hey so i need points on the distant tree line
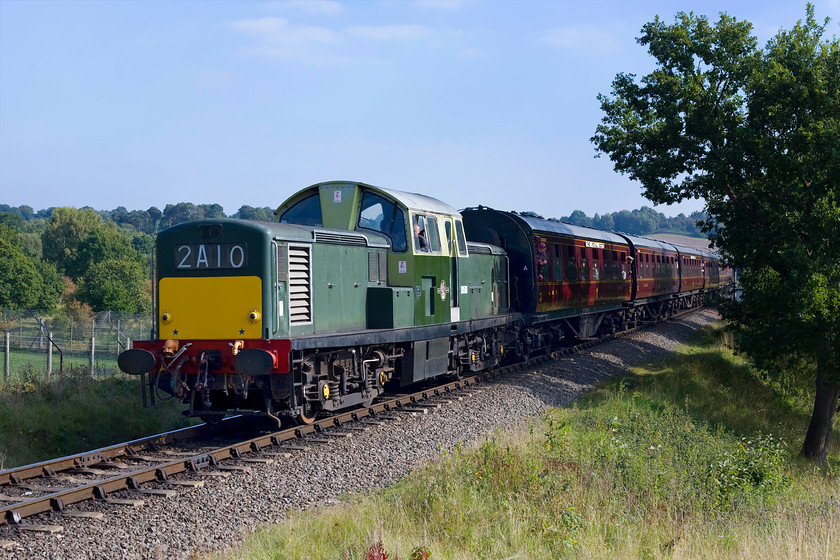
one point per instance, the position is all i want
(152, 220)
(643, 221)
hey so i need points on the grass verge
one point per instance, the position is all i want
(694, 456)
(74, 412)
(26, 364)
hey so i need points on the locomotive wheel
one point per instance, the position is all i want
(307, 415)
(211, 419)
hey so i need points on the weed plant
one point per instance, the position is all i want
(42, 418)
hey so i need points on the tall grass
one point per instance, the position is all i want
(691, 457)
(43, 418)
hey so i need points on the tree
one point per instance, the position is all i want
(264, 214)
(103, 242)
(115, 284)
(756, 133)
(579, 218)
(65, 230)
(648, 219)
(25, 283)
(604, 222)
(211, 211)
(178, 213)
(627, 222)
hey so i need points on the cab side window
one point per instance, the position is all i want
(433, 233)
(462, 239)
(426, 234)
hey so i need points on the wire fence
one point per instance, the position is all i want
(31, 343)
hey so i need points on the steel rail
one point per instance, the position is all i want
(51, 467)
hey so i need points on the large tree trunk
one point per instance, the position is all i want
(818, 437)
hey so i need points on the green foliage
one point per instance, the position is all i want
(757, 466)
(755, 133)
(65, 231)
(104, 242)
(115, 284)
(25, 283)
(264, 214)
(109, 271)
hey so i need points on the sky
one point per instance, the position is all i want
(138, 104)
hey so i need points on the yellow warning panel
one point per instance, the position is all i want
(210, 308)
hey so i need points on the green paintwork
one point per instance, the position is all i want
(390, 308)
(414, 287)
(339, 286)
(339, 205)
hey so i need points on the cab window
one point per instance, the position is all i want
(462, 239)
(383, 216)
(426, 234)
(434, 233)
(307, 212)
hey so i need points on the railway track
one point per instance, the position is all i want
(103, 473)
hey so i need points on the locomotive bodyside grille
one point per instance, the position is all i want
(300, 285)
(340, 238)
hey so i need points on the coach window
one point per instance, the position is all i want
(383, 216)
(584, 265)
(615, 267)
(571, 266)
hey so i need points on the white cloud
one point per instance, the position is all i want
(390, 32)
(275, 37)
(279, 31)
(590, 39)
(471, 54)
(311, 7)
(443, 4)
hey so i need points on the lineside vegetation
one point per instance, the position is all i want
(668, 462)
(73, 412)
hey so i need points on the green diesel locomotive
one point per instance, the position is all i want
(354, 288)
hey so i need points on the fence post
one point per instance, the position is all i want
(92, 344)
(8, 366)
(49, 356)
